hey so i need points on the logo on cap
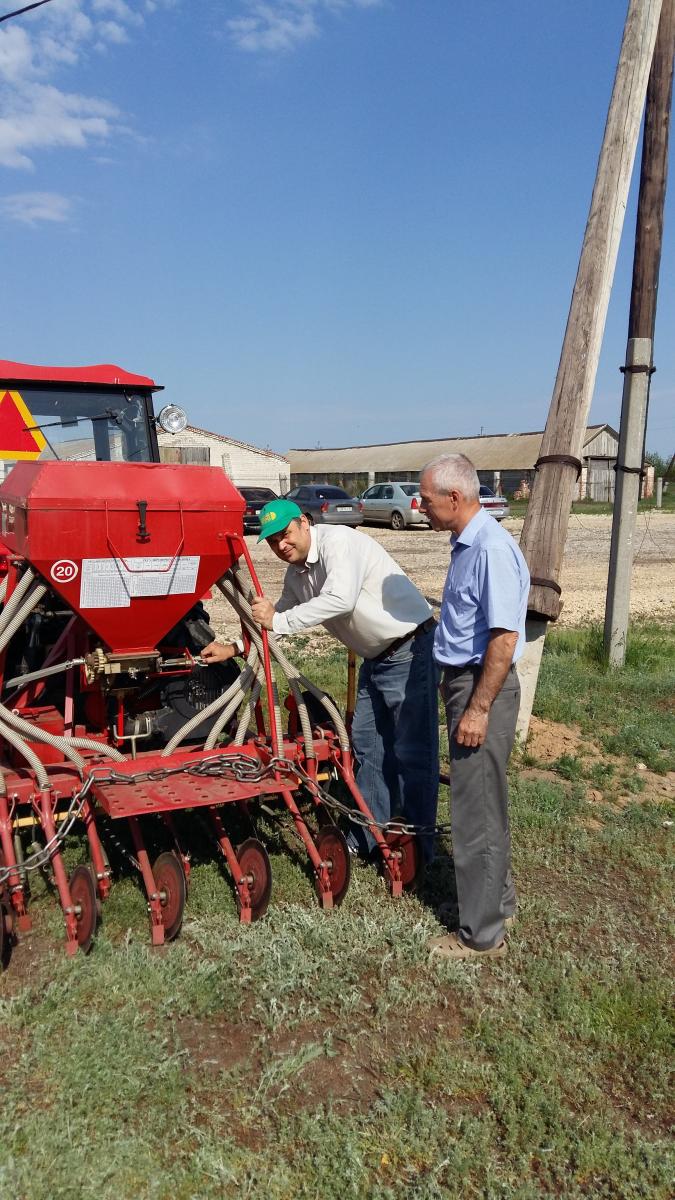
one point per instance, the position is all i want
(269, 516)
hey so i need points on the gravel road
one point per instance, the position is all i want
(424, 555)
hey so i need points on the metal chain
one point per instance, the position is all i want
(239, 767)
(43, 856)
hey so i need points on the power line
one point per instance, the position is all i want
(26, 8)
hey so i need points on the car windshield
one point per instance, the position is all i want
(485, 491)
(332, 493)
(410, 489)
(74, 425)
(258, 495)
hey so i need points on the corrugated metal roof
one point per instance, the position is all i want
(497, 452)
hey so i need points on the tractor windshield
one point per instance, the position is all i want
(38, 423)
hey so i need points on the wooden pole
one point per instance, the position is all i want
(547, 518)
(545, 527)
(641, 322)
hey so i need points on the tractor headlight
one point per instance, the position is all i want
(172, 419)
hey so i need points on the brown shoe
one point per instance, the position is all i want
(446, 909)
(452, 946)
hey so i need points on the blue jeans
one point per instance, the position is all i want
(395, 738)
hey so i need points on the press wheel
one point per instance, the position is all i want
(95, 881)
(411, 863)
(83, 895)
(332, 846)
(170, 883)
(255, 866)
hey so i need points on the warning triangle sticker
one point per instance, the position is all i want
(18, 437)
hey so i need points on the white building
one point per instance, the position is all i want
(246, 465)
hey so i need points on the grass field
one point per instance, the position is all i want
(599, 508)
(321, 1055)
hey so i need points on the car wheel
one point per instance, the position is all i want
(397, 521)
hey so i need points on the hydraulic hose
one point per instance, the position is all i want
(239, 687)
(292, 672)
(248, 714)
(230, 592)
(26, 752)
(9, 627)
(16, 596)
(253, 664)
(67, 745)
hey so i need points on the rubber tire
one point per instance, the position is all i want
(397, 521)
(83, 893)
(170, 878)
(254, 861)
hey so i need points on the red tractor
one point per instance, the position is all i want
(106, 711)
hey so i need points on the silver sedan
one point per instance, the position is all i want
(394, 504)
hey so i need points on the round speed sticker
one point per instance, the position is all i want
(64, 571)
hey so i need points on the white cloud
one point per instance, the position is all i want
(28, 208)
(280, 25)
(35, 113)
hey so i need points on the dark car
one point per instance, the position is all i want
(255, 498)
(326, 504)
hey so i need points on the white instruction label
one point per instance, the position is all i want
(109, 583)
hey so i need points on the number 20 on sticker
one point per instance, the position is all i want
(64, 571)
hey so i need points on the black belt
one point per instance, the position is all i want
(425, 627)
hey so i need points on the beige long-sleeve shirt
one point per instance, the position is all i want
(351, 586)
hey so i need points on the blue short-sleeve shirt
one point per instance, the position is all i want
(487, 588)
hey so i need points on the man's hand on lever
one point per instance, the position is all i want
(217, 652)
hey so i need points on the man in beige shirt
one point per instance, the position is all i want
(344, 580)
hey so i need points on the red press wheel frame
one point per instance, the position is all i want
(254, 862)
(411, 863)
(83, 896)
(170, 882)
(332, 846)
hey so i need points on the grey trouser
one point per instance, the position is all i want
(481, 841)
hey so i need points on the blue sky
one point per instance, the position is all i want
(316, 222)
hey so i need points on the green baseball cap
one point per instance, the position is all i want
(277, 515)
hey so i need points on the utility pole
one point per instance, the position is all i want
(640, 351)
(559, 463)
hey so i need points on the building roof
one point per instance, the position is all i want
(221, 437)
(494, 452)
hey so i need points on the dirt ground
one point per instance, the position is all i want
(424, 555)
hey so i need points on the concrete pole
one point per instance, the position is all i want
(659, 491)
(629, 465)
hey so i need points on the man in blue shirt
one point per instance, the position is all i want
(480, 636)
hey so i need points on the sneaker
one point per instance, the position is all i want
(452, 946)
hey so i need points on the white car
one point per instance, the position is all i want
(496, 505)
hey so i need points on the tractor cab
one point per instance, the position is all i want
(79, 414)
